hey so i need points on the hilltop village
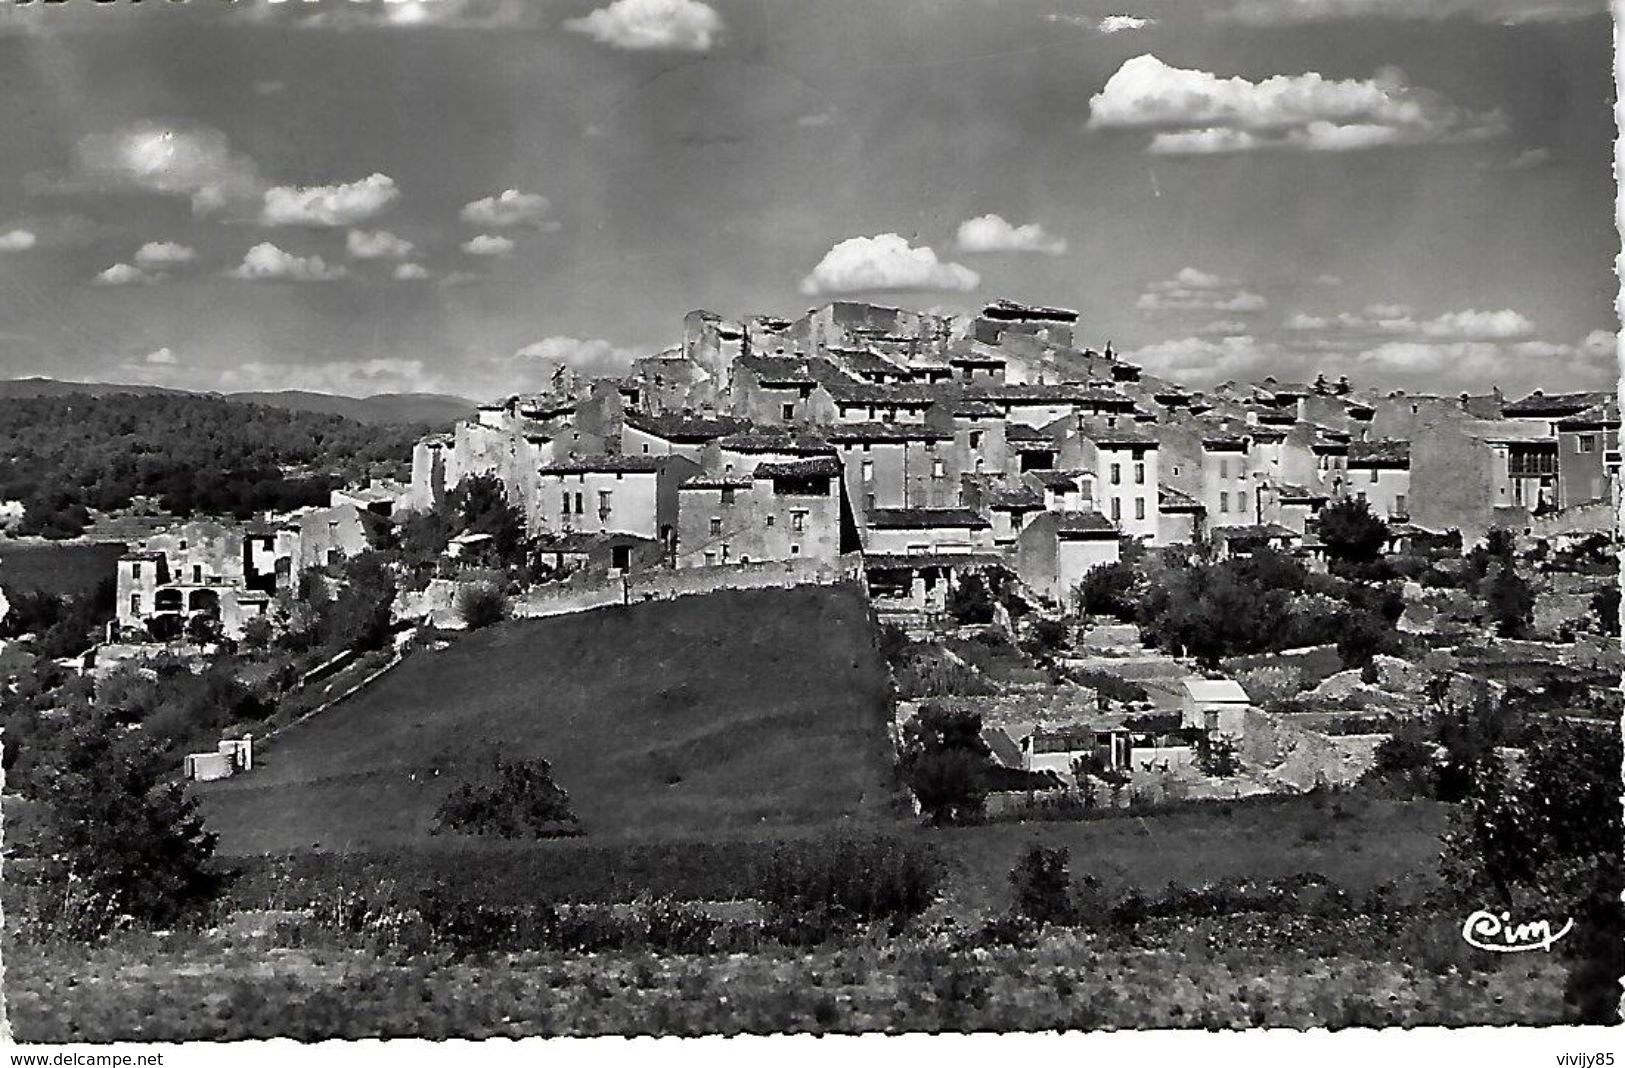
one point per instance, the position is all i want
(1020, 512)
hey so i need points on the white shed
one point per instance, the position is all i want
(1214, 705)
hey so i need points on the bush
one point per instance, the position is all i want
(481, 605)
(944, 761)
(970, 602)
(1109, 591)
(1048, 636)
(1111, 686)
(1216, 756)
(521, 800)
(1042, 885)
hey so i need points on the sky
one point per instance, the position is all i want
(365, 196)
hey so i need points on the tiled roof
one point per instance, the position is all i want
(683, 427)
(820, 466)
(1010, 310)
(1058, 479)
(973, 409)
(1172, 500)
(1598, 415)
(1117, 435)
(1083, 522)
(1051, 393)
(894, 561)
(1012, 498)
(1289, 493)
(778, 370)
(716, 482)
(1224, 442)
(1537, 404)
(775, 439)
(904, 394)
(1380, 453)
(1021, 432)
(925, 518)
(844, 432)
(1268, 530)
(585, 464)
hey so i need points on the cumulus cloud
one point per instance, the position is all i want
(160, 255)
(1122, 24)
(1196, 292)
(992, 233)
(344, 204)
(409, 272)
(885, 262)
(488, 245)
(160, 356)
(1194, 112)
(1526, 160)
(18, 240)
(1398, 320)
(508, 208)
(1505, 12)
(126, 274)
(589, 356)
(268, 263)
(652, 25)
(355, 378)
(377, 245)
(170, 159)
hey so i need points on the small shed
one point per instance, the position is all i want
(1217, 706)
(206, 767)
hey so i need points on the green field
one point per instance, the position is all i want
(728, 713)
(29, 567)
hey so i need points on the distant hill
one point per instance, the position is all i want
(729, 712)
(436, 409)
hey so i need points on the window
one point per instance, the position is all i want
(183, 544)
(1399, 504)
(1139, 508)
(869, 501)
(976, 439)
(197, 572)
(727, 494)
(716, 524)
(579, 509)
(1224, 502)
(1586, 443)
(725, 552)
(710, 559)
(937, 470)
(795, 550)
(135, 569)
(868, 471)
(1117, 474)
(798, 521)
(1117, 509)
(770, 520)
(603, 502)
(1373, 474)
(1224, 468)
(645, 446)
(1176, 470)
(564, 506)
(135, 604)
(788, 412)
(1241, 501)
(1139, 474)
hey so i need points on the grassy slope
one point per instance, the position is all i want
(28, 567)
(767, 708)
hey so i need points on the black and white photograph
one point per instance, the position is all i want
(545, 519)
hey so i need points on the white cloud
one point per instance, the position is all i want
(267, 262)
(1203, 360)
(161, 356)
(1398, 320)
(18, 240)
(508, 208)
(1506, 12)
(817, 120)
(882, 262)
(589, 356)
(1196, 292)
(488, 245)
(1222, 328)
(1123, 24)
(1526, 160)
(125, 274)
(1600, 343)
(409, 272)
(161, 254)
(992, 233)
(652, 25)
(1479, 326)
(149, 156)
(343, 204)
(1194, 112)
(377, 245)
(1329, 280)
(356, 378)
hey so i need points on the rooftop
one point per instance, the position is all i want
(821, 466)
(925, 518)
(775, 439)
(1542, 404)
(1390, 453)
(576, 465)
(684, 427)
(1081, 522)
(844, 432)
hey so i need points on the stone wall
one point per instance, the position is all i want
(1289, 755)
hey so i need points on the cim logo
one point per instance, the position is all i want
(1495, 933)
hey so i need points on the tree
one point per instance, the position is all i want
(1508, 599)
(1108, 590)
(1363, 636)
(1352, 535)
(1216, 756)
(359, 616)
(944, 761)
(481, 605)
(969, 601)
(1605, 606)
(518, 800)
(481, 506)
(124, 841)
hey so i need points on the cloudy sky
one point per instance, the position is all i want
(365, 196)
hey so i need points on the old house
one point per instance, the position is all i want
(782, 388)
(1588, 455)
(1007, 505)
(926, 530)
(1124, 459)
(1057, 549)
(202, 574)
(1379, 473)
(675, 434)
(611, 495)
(1217, 706)
(1181, 518)
(784, 510)
(896, 465)
(1227, 482)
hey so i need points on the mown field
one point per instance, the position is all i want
(28, 567)
(721, 714)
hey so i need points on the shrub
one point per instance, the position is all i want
(944, 761)
(481, 605)
(1112, 686)
(1216, 756)
(521, 800)
(1048, 636)
(1271, 685)
(1042, 885)
(1108, 591)
(1353, 536)
(969, 602)
(893, 643)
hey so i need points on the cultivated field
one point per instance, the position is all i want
(29, 567)
(725, 713)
